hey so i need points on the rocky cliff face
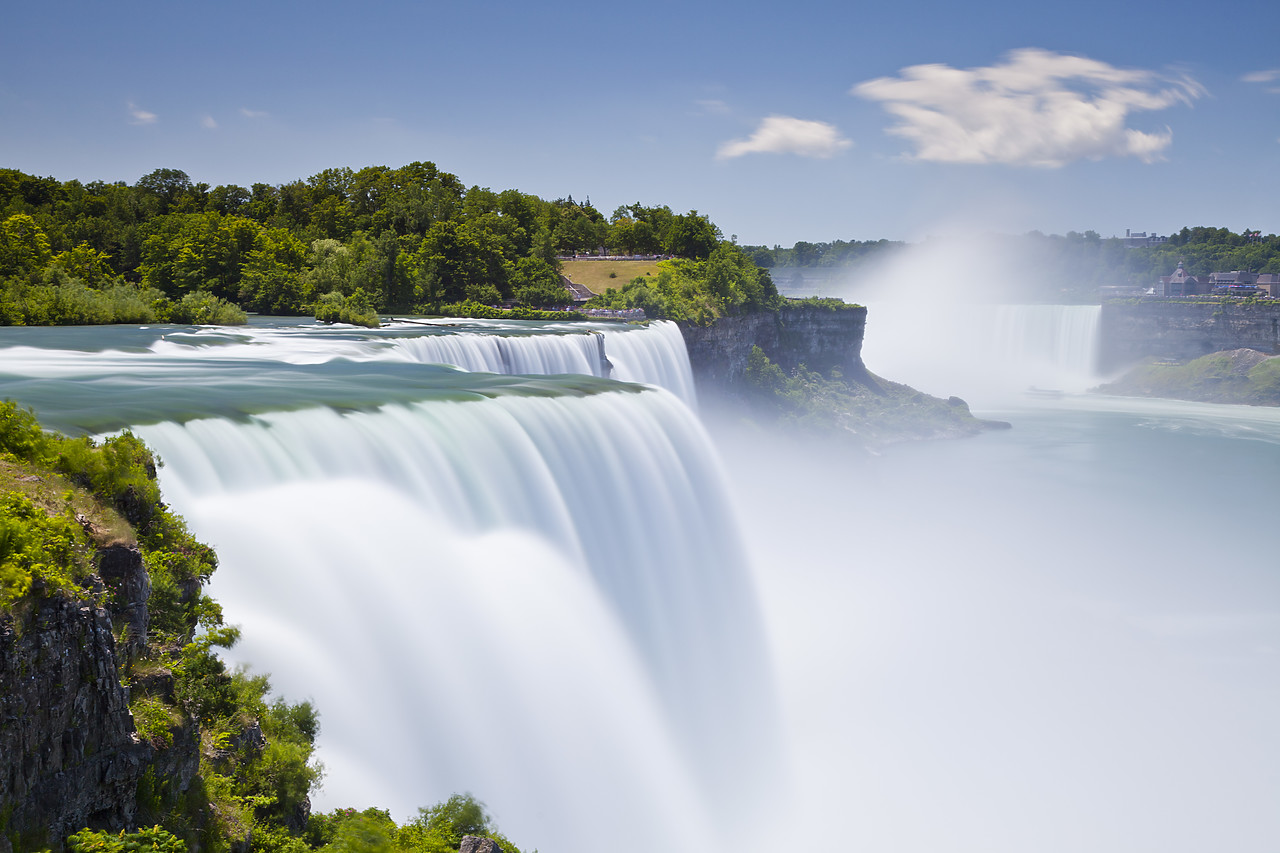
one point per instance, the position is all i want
(70, 756)
(820, 338)
(1183, 331)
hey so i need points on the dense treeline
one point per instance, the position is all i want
(62, 499)
(378, 239)
(837, 253)
(1069, 267)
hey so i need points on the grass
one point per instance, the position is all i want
(594, 275)
(51, 492)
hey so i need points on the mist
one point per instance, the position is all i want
(1059, 637)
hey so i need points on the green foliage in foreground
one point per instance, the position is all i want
(153, 838)
(877, 413)
(438, 829)
(1238, 376)
(727, 282)
(39, 553)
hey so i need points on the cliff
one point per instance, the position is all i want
(70, 755)
(802, 366)
(1182, 331)
(821, 337)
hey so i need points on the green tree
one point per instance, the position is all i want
(24, 247)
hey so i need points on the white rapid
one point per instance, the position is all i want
(984, 353)
(526, 597)
(649, 355)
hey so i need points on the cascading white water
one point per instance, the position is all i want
(985, 353)
(655, 358)
(649, 355)
(545, 354)
(480, 593)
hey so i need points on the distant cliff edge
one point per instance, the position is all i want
(820, 335)
(801, 366)
(1182, 330)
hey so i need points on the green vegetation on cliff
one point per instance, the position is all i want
(871, 413)
(697, 291)
(1237, 376)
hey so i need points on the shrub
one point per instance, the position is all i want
(201, 308)
(355, 309)
(155, 838)
(39, 553)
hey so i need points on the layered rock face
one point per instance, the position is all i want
(70, 756)
(820, 338)
(1182, 331)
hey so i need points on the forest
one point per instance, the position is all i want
(345, 243)
(1070, 267)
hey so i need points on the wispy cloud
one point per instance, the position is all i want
(137, 115)
(1038, 108)
(209, 123)
(712, 107)
(248, 113)
(786, 135)
(1268, 76)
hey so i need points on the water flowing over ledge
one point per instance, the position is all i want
(513, 583)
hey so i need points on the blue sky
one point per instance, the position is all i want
(783, 122)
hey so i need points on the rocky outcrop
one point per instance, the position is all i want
(477, 844)
(819, 337)
(124, 573)
(70, 755)
(1179, 330)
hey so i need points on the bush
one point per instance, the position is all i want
(479, 311)
(355, 309)
(201, 308)
(155, 838)
(39, 553)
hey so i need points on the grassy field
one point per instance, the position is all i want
(594, 275)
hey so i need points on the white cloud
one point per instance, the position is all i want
(209, 122)
(1268, 76)
(1037, 109)
(785, 135)
(712, 107)
(248, 113)
(141, 116)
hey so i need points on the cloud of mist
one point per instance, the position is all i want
(1038, 108)
(786, 135)
(248, 113)
(209, 123)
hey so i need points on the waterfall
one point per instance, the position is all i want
(986, 353)
(493, 568)
(649, 355)
(520, 596)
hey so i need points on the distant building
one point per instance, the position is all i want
(1269, 283)
(1141, 239)
(1234, 283)
(1181, 284)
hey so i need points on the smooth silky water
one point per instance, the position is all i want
(560, 593)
